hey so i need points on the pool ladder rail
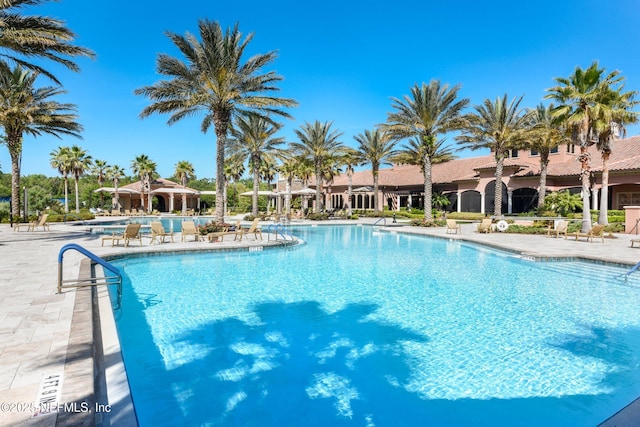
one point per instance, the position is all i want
(115, 279)
(634, 268)
(279, 230)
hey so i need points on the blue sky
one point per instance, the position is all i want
(342, 61)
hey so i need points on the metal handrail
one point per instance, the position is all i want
(634, 268)
(93, 281)
(384, 218)
(279, 229)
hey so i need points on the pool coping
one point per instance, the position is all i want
(110, 372)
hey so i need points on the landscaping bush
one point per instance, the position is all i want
(213, 227)
(318, 216)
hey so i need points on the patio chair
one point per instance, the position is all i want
(485, 226)
(453, 227)
(218, 236)
(254, 229)
(596, 231)
(189, 229)
(157, 232)
(33, 225)
(561, 228)
(131, 231)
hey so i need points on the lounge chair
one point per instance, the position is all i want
(189, 229)
(33, 225)
(453, 227)
(561, 228)
(596, 231)
(131, 231)
(254, 229)
(157, 232)
(485, 226)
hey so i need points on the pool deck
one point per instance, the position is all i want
(46, 338)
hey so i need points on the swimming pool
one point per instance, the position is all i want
(366, 328)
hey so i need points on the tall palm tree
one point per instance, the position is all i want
(100, 169)
(332, 167)
(213, 81)
(80, 162)
(582, 97)
(376, 148)
(350, 159)
(546, 134)
(289, 170)
(416, 152)
(233, 171)
(60, 161)
(184, 170)
(144, 168)
(25, 109)
(318, 142)
(253, 138)
(429, 113)
(268, 171)
(611, 124)
(36, 37)
(115, 173)
(500, 125)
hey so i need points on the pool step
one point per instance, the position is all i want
(594, 271)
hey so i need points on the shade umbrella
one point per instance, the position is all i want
(365, 189)
(260, 193)
(304, 192)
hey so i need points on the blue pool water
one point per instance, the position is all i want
(365, 328)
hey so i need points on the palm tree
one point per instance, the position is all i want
(36, 37)
(80, 162)
(377, 148)
(60, 161)
(268, 171)
(100, 169)
(500, 126)
(184, 170)
(253, 138)
(289, 169)
(332, 167)
(27, 110)
(582, 98)
(431, 111)
(214, 81)
(609, 125)
(547, 134)
(317, 143)
(416, 152)
(115, 173)
(144, 168)
(233, 170)
(350, 159)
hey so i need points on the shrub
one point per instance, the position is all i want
(213, 227)
(318, 216)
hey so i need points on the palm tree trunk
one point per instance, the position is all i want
(256, 187)
(221, 124)
(604, 192)
(542, 192)
(318, 189)
(349, 193)
(66, 194)
(375, 191)
(15, 185)
(586, 188)
(428, 190)
(287, 200)
(497, 208)
(76, 179)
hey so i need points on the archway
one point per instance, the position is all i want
(524, 200)
(470, 201)
(490, 198)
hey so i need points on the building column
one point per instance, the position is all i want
(594, 198)
(482, 208)
(509, 201)
(171, 203)
(459, 202)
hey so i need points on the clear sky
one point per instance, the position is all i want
(342, 61)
